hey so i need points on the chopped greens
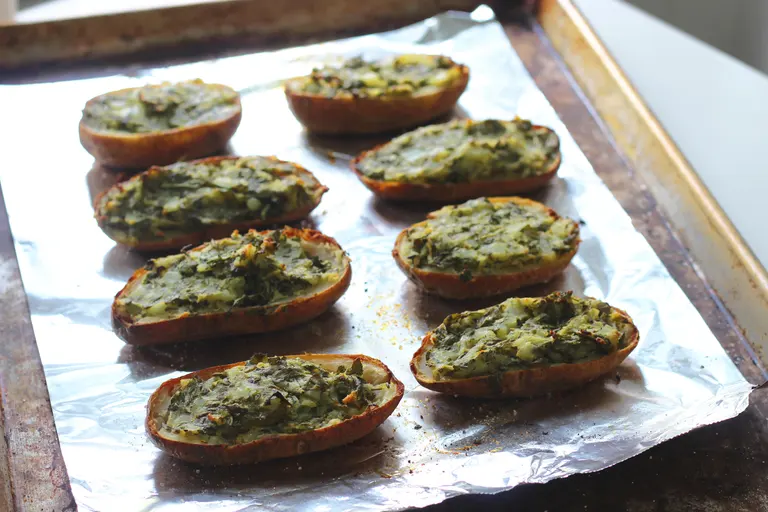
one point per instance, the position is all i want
(187, 197)
(254, 269)
(270, 395)
(155, 108)
(484, 237)
(404, 75)
(523, 333)
(463, 151)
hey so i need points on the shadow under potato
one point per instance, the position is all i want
(101, 178)
(406, 213)
(349, 146)
(472, 421)
(401, 213)
(432, 310)
(326, 333)
(120, 262)
(368, 454)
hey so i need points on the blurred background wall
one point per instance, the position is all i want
(737, 27)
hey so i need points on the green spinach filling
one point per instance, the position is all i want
(404, 75)
(155, 108)
(254, 269)
(270, 395)
(484, 237)
(191, 196)
(522, 333)
(462, 151)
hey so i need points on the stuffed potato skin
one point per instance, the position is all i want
(278, 445)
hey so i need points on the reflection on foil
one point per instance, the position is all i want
(434, 446)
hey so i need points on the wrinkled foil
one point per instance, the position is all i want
(434, 446)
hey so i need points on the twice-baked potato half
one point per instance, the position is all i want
(461, 159)
(486, 247)
(271, 407)
(192, 202)
(359, 96)
(525, 347)
(249, 283)
(159, 124)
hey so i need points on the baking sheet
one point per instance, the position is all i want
(434, 446)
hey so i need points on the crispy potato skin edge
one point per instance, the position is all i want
(451, 286)
(450, 192)
(240, 321)
(213, 232)
(276, 446)
(355, 116)
(140, 151)
(527, 383)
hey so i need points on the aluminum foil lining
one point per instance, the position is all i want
(434, 446)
